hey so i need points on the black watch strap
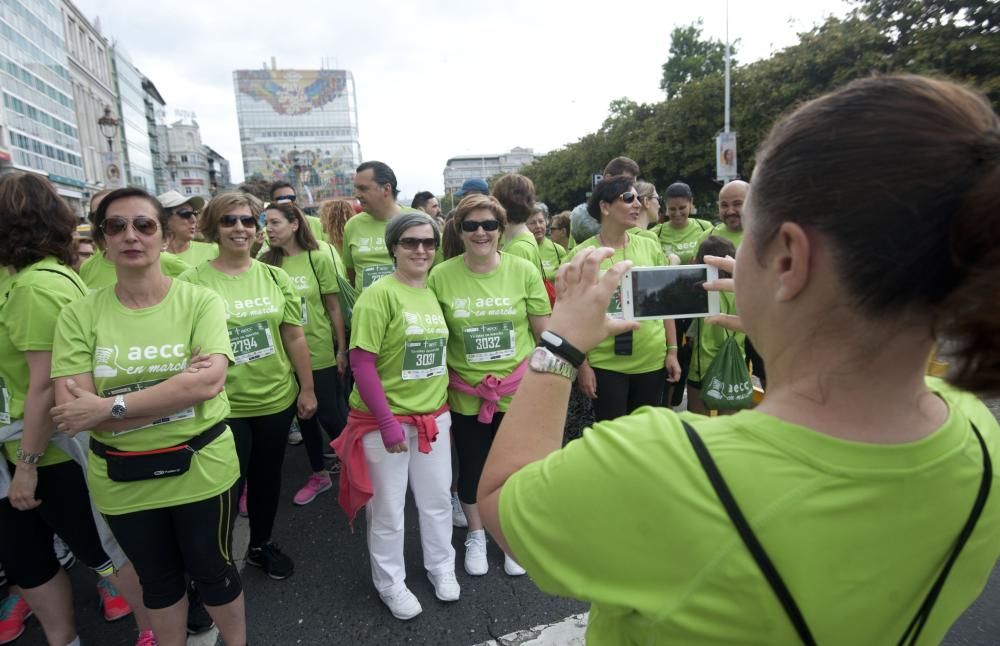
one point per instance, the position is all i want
(562, 348)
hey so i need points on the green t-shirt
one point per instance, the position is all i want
(552, 255)
(682, 242)
(708, 338)
(316, 226)
(487, 315)
(365, 251)
(649, 342)
(127, 350)
(523, 245)
(626, 519)
(257, 303)
(30, 303)
(404, 327)
(199, 252)
(311, 280)
(99, 272)
(645, 233)
(736, 237)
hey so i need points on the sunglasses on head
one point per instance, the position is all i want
(228, 221)
(469, 226)
(411, 244)
(116, 226)
(628, 197)
(187, 215)
(284, 198)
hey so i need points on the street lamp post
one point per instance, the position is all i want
(172, 169)
(109, 127)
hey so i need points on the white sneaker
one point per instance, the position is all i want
(446, 586)
(511, 567)
(402, 604)
(457, 513)
(475, 553)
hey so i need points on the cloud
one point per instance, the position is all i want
(436, 79)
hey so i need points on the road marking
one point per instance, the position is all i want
(241, 539)
(568, 632)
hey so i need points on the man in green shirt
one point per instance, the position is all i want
(731, 199)
(365, 254)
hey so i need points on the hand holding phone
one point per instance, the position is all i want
(672, 292)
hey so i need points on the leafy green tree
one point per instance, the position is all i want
(691, 58)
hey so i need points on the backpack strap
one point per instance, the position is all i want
(64, 275)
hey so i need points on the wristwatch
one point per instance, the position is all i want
(118, 408)
(544, 360)
(28, 458)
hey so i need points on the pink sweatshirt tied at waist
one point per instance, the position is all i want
(490, 390)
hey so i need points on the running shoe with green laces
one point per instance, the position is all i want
(14, 611)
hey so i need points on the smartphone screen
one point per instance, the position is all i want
(670, 292)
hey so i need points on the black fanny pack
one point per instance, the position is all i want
(130, 466)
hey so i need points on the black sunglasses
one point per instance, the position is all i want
(116, 226)
(628, 197)
(469, 226)
(411, 244)
(284, 198)
(187, 215)
(248, 221)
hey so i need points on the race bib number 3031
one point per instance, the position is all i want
(424, 359)
(251, 342)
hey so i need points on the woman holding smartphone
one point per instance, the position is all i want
(631, 369)
(859, 488)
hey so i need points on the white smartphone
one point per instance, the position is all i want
(674, 292)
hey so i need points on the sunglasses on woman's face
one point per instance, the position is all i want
(628, 197)
(411, 244)
(229, 221)
(470, 226)
(187, 215)
(116, 226)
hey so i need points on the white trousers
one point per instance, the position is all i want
(429, 475)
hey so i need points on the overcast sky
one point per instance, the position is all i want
(437, 79)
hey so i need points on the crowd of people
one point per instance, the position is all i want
(156, 362)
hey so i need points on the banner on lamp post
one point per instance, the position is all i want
(725, 155)
(112, 174)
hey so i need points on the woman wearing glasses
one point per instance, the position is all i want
(559, 230)
(142, 365)
(496, 307)
(264, 317)
(630, 370)
(182, 226)
(398, 428)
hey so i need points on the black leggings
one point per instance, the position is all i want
(619, 393)
(331, 413)
(260, 446)
(473, 440)
(26, 536)
(196, 538)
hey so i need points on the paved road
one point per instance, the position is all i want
(330, 599)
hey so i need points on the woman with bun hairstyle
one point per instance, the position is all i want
(858, 503)
(681, 233)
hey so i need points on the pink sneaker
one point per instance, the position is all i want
(146, 638)
(14, 611)
(315, 485)
(243, 503)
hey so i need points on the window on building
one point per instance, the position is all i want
(184, 158)
(186, 174)
(187, 190)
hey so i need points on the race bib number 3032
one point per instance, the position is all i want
(489, 342)
(424, 359)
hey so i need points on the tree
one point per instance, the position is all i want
(257, 186)
(691, 58)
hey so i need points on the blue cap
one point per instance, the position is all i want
(473, 185)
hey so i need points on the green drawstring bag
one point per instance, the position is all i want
(347, 296)
(726, 384)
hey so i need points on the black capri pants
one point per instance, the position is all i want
(619, 393)
(331, 413)
(196, 538)
(473, 440)
(260, 446)
(26, 536)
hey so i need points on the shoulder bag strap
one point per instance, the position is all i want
(66, 276)
(319, 283)
(749, 538)
(920, 620)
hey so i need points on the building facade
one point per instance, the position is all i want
(219, 178)
(38, 121)
(458, 169)
(137, 157)
(185, 159)
(89, 59)
(154, 105)
(300, 126)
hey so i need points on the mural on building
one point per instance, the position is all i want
(293, 92)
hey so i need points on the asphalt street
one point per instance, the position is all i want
(330, 599)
